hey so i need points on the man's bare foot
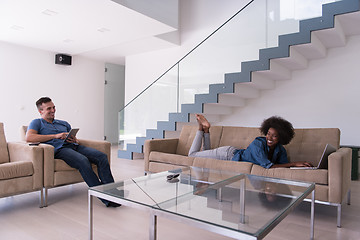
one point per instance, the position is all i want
(204, 122)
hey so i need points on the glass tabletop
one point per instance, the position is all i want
(239, 202)
(156, 188)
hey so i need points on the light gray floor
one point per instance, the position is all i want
(66, 217)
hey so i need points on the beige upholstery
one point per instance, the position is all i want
(21, 167)
(332, 184)
(56, 171)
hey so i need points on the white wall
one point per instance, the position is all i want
(27, 74)
(325, 95)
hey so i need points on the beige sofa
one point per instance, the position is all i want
(332, 184)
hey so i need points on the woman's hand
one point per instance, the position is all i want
(292, 164)
(301, 164)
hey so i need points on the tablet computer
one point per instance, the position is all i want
(72, 133)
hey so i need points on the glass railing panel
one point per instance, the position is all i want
(239, 40)
(284, 16)
(255, 27)
(153, 105)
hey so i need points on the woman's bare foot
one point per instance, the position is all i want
(199, 122)
(203, 122)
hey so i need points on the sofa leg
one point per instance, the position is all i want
(339, 216)
(348, 197)
(46, 197)
(41, 198)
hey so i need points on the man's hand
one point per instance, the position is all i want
(72, 140)
(61, 135)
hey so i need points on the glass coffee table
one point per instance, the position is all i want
(239, 206)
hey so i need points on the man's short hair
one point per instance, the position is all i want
(41, 101)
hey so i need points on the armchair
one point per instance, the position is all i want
(56, 171)
(21, 168)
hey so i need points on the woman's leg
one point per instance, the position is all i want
(196, 144)
(220, 153)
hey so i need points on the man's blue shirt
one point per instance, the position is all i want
(45, 128)
(257, 153)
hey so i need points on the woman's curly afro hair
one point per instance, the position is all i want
(283, 127)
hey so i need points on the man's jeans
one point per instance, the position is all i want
(81, 157)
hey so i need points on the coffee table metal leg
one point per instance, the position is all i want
(90, 211)
(153, 226)
(242, 201)
(312, 214)
(219, 194)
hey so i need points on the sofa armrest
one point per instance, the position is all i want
(49, 164)
(22, 152)
(339, 167)
(102, 146)
(159, 145)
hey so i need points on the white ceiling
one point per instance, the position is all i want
(97, 29)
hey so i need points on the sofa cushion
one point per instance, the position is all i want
(61, 165)
(187, 136)
(239, 137)
(162, 167)
(309, 144)
(170, 158)
(15, 170)
(238, 167)
(4, 154)
(319, 176)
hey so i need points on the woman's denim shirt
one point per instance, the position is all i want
(257, 153)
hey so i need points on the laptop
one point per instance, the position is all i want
(323, 160)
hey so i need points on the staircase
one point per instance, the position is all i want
(294, 51)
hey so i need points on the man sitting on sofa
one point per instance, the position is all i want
(267, 151)
(52, 131)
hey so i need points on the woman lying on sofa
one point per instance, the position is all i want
(267, 151)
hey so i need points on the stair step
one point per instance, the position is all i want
(131, 147)
(210, 117)
(295, 61)
(332, 37)
(179, 117)
(172, 134)
(212, 108)
(260, 82)
(166, 125)
(206, 98)
(350, 23)
(232, 100)
(192, 108)
(220, 88)
(246, 91)
(140, 140)
(276, 72)
(313, 50)
(125, 154)
(154, 133)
